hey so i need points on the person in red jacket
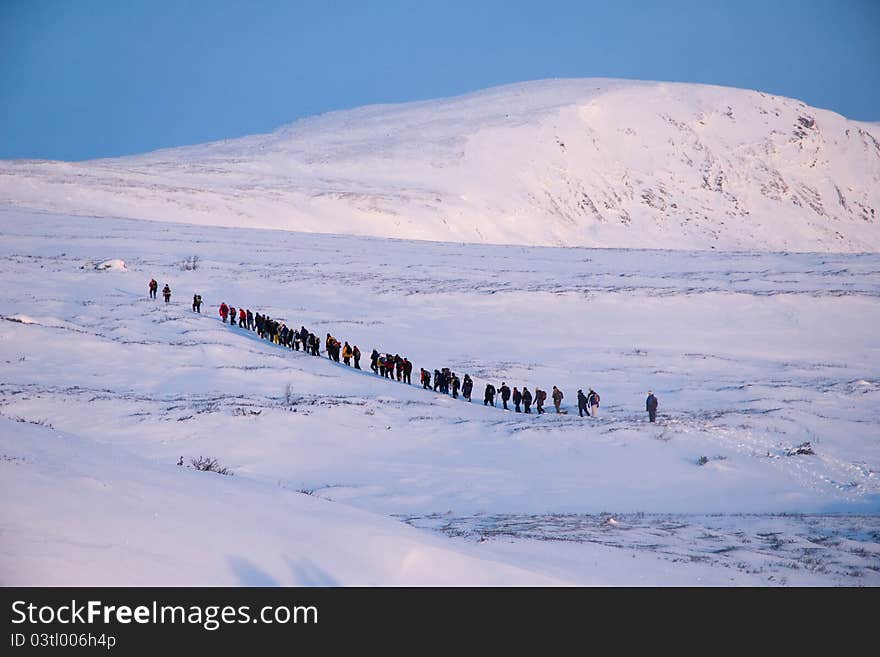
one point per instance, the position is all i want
(242, 317)
(154, 286)
(224, 311)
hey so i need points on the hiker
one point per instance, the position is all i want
(456, 384)
(356, 353)
(232, 315)
(166, 292)
(527, 400)
(224, 311)
(407, 370)
(398, 366)
(540, 396)
(445, 380)
(489, 397)
(582, 404)
(651, 406)
(315, 341)
(390, 362)
(593, 403)
(153, 287)
(517, 399)
(557, 397)
(250, 320)
(436, 379)
(374, 361)
(197, 303)
(346, 353)
(426, 379)
(328, 345)
(242, 318)
(505, 395)
(467, 387)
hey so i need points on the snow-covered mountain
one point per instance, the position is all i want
(584, 162)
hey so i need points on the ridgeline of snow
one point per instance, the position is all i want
(584, 162)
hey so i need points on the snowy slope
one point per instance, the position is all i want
(751, 354)
(589, 162)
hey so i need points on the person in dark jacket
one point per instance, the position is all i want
(582, 404)
(232, 315)
(436, 379)
(517, 399)
(651, 404)
(154, 286)
(356, 354)
(374, 361)
(467, 387)
(425, 378)
(166, 292)
(197, 303)
(456, 385)
(250, 321)
(505, 395)
(407, 370)
(489, 397)
(527, 400)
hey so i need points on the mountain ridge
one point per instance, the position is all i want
(563, 162)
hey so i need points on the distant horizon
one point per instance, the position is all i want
(102, 79)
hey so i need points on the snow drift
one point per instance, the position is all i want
(588, 162)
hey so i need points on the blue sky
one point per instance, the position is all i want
(96, 78)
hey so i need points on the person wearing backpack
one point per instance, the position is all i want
(540, 397)
(593, 403)
(154, 286)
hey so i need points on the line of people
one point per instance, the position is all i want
(400, 368)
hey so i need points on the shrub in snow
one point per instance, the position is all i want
(238, 411)
(207, 464)
(803, 448)
(190, 264)
(703, 460)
